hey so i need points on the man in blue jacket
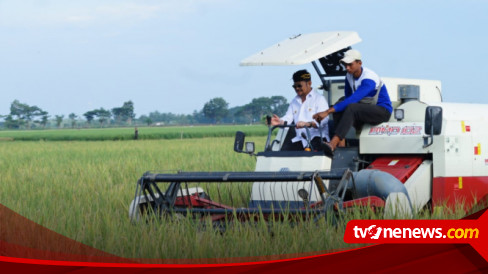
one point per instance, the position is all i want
(366, 101)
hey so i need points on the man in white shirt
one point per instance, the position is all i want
(301, 110)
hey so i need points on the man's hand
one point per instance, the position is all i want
(319, 116)
(302, 124)
(275, 120)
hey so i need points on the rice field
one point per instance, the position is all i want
(83, 190)
(144, 133)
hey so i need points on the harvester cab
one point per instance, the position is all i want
(429, 154)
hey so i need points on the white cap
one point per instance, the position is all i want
(351, 56)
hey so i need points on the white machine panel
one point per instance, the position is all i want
(419, 185)
(288, 191)
(462, 148)
(392, 138)
(302, 49)
(430, 90)
(318, 162)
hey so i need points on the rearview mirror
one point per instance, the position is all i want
(239, 141)
(433, 124)
(433, 120)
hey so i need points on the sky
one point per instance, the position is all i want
(175, 55)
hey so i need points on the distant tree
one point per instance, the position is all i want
(90, 115)
(103, 116)
(199, 117)
(23, 114)
(260, 107)
(216, 109)
(243, 113)
(256, 109)
(32, 112)
(73, 117)
(146, 120)
(18, 109)
(59, 120)
(234, 118)
(129, 114)
(118, 115)
(44, 119)
(279, 105)
(12, 123)
(124, 113)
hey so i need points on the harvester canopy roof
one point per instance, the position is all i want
(302, 49)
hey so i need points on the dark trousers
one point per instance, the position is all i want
(357, 115)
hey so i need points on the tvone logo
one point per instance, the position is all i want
(373, 232)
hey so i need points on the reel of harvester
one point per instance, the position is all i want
(245, 196)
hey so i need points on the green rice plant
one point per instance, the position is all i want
(144, 133)
(83, 190)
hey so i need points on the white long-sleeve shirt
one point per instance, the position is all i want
(298, 111)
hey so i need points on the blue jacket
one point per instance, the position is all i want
(365, 86)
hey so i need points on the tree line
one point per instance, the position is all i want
(216, 110)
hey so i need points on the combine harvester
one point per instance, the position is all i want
(430, 154)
